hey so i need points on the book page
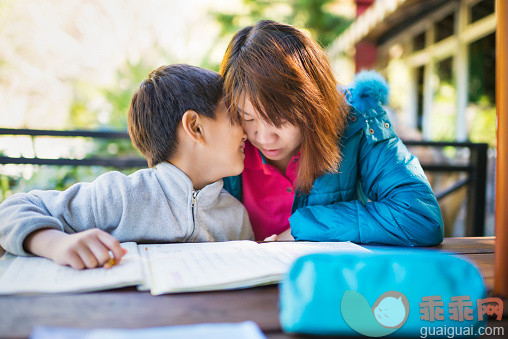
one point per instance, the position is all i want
(145, 263)
(41, 275)
(226, 265)
(207, 266)
(289, 251)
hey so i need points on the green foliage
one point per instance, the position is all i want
(105, 108)
(110, 109)
(119, 95)
(312, 15)
(50, 177)
(481, 110)
(444, 113)
(323, 25)
(6, 182)
(483, 126)
(93, 108)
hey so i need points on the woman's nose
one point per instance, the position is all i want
(265, 135)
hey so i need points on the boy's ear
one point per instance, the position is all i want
(191, 123)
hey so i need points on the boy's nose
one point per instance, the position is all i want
(244, 136)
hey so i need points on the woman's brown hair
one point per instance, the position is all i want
(288, 78)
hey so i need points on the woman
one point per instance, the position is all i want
(321, 163)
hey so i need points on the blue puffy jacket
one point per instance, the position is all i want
(380, 194)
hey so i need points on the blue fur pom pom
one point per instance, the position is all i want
(369, 89)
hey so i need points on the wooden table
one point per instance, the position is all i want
(128, 308)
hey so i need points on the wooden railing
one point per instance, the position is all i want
(476, 169)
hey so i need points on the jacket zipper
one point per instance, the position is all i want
(194, 195)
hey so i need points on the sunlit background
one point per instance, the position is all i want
(73, 65)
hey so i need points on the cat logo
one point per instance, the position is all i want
(387, 315)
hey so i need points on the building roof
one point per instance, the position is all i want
(382, 20)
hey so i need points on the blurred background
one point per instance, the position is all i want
(73, 66)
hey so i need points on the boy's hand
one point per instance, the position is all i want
(284, 236)
(87, 249)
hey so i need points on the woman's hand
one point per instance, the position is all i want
(284, 236)
(87, 249)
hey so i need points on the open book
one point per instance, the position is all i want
(169, 268)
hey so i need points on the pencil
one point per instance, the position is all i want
(110, 263)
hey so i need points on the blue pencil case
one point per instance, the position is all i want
(403, 293)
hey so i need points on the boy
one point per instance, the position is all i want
(179, 123)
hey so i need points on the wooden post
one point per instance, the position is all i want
(501, 247)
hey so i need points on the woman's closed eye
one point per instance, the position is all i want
(243, 117)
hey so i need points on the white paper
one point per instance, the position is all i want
(223, 265)
(170, 268)
(41, 275)
(205, 266)
(244, 330)
(289, 251)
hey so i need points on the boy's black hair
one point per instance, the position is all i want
(157, 107)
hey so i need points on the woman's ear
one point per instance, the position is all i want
(193, 127)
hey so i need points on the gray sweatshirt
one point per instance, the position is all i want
(151, 205)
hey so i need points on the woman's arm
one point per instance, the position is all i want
(402, 209)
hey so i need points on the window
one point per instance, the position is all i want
(445, 102)
(482, 9)
(419, 98)
(419, 42)
(445, 27)
(481, 109)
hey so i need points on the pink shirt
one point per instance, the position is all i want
(267, 193)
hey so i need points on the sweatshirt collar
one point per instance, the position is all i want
(173, 176)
